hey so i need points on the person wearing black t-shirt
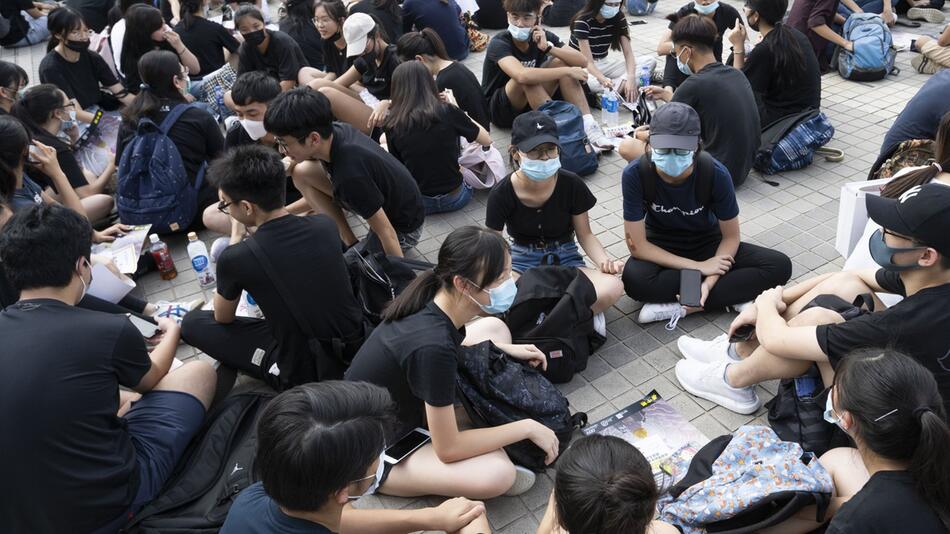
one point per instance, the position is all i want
(328, 17)
(721, 95)
(722, 15)
(208, 40)
(299, 25)
(271, 51)
(895, 480)
(81, 73)
(815, 322)
(785, 78)
(444, 18)
(145, 31)
(360, 96)
(414, 353)
(545, 209)
(250, 182)
(386, 12)
(423, 132)
(83, 455)
(597, 28)
(526, 65)
(337, 168)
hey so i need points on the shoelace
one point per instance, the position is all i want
(677, 315)
(173, 310)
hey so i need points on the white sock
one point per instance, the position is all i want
(589, 122)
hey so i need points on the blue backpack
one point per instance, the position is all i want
(641, 7)
(153, 183)
(577, 155)
(790, 142)
(873, 56)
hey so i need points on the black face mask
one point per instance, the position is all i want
(255, 38)
(76, 46)
(756, 25)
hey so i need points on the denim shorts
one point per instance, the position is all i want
(448, 202)
(524, 257)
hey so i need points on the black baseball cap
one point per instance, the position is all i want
(922, 213)
(675, 125)
(532, 129)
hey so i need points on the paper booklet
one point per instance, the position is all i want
(125, 250)
(107, 286)
(663, 435)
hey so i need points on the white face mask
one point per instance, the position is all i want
(377, 477)
(255, 129)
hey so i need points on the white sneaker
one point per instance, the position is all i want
(524, 480)
(928, 14)
(218, 246)
(651, 313)
(707, 380)
(700, 350)
(175, 310)
(741, 307)
(600, 324)
(597, 138)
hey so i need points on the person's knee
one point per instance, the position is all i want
(631, 149)
(634, 280)
(779, 267)
(609, 290)
(191, 325)
(496, 476)
(816, 316)
(196, 378)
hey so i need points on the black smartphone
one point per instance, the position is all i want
(743, 333)
(147, 329)
(690, 288)
(406, 445)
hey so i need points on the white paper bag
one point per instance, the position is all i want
(853, 214)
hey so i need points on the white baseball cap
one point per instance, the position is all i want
(355, 29)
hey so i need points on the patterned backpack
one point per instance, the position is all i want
(744, 483)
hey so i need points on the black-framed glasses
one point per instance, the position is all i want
(543, 152)
(885, 231)
(223, 206)
(677, 151)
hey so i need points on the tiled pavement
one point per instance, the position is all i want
(797, 217)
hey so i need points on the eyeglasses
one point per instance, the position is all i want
(544, 153)
(223, 206)
(677, 151)
(885, 231)
(80, 33)
(282, 145)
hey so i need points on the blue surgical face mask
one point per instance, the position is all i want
(609, 12)
(683, 66)
(540, 169)
(883, 254)
(706, 10)
(501, 297)
(672, 164)
(518, 33)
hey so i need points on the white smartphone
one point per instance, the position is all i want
(146, 328)
(406, 445)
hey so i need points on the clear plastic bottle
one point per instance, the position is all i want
(198, 253)
(610, 108)
(252, 308)
(643, 75)
(163, 258)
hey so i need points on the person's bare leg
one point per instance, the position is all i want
(196, 378)
(631, 149)
(319, 83)
(312, 181)
(608, 288)
(309, 74)
(762, 365)
(521, 96)
(845, 284)
(348, 109)
(216, 221)
(126, 398)
(482, 477)
(97, 206)
(571, 90)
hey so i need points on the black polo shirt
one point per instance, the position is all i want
(416, 359)
(366, 178)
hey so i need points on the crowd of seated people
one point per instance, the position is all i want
(293, 133)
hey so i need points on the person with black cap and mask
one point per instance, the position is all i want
(815, 322)
(680, 212)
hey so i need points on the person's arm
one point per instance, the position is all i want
(568, 55)
(450, 516)
(349, 77)
(49, 164)
(536, 75)
(584, 45)
(829, 35)
(225, 310)
(665, 46)
(118, 89)
(187, 58)
(738, 38)
(450, 445)
(380, 225)
(641, 249)
(630, 62)
(727, 248)
(888, 13)
(944, 39)
(780, 339)
(854, 7)
(162, 355)
(548, 524)
(592, 246)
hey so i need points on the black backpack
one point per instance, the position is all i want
(377, 278)
(552, 311)
(217, 465)
(496, 389)
(704, 172)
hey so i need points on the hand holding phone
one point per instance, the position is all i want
(743, 333)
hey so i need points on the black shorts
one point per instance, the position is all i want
(502, 112)
(862, 305)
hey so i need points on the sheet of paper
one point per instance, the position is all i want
(125, 250)
(107, 286)
(901, 40)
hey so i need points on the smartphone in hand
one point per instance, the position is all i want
(691, 288)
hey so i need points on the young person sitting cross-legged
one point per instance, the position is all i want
(307, 256)
(721, 95)
(319, 447)
(526, 65)
(814, 322)
(690, 221)
(81, 459)
(338, 167)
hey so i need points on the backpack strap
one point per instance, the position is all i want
(648, 178)
(173, 116)
(705, 173)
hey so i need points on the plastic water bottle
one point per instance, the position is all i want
(198, 253)
(643, 75)
(163, 258)
(252, 308)
(609, 108)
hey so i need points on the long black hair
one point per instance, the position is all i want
(158, 70)
(62, 20)
(299, 15)
(13, 150)
(425, 42)
(473, 253)
(897, 186)
(415, 99)
(604, 485)
(37, 106)
(618, 27)
(788, 56)
(187, 10)
(140, 22)
(899, 415)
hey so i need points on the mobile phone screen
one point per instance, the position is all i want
(406, 445)
(690, 290)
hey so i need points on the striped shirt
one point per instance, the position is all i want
(598, 35)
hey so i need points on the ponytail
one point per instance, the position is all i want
(930, 465)
(897, 186)
(421, 43)
(157, 69)
(477, 255)
(186, 11)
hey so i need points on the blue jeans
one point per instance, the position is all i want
(869, 6)
(37, 33)
(524, 257)
(448, 201)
